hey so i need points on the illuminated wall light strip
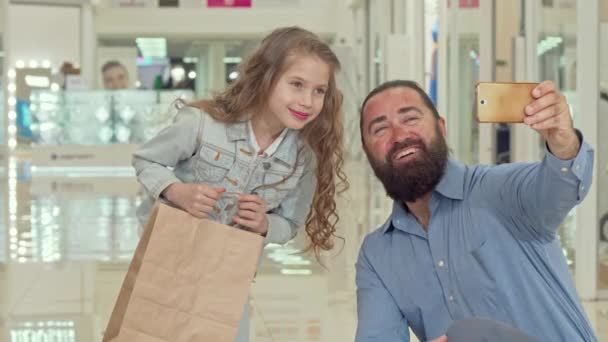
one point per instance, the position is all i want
(13, 205)
(287, 271)
(12, 102)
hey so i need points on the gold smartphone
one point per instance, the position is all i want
(503, 102)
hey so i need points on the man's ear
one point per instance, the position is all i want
(442, 127)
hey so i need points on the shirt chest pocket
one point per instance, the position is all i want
(213, 164)
(476, 277)
(276, 186)
(472, 262)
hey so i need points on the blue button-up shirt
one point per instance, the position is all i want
(491, 250)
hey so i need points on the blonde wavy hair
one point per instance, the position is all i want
(249, 93)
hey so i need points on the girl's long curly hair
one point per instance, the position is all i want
(258, 75)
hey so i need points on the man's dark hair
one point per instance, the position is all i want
(111, 64)
(398, 84)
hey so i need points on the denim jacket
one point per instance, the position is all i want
(198, 149)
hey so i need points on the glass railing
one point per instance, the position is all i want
(2, 120)
(100, 117)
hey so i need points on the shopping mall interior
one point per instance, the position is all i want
(69, 193)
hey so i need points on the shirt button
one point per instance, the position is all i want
(451, 298)
(577, 167)
(582, 187)
(440, 263)
(564, 169)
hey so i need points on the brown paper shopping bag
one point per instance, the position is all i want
(188, 281)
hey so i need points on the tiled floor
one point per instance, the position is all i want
(66, 242)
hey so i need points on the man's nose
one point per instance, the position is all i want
(400, 134)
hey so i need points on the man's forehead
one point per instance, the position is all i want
(389, 99)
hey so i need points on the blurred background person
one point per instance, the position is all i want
(115, 76)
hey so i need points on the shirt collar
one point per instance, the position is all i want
(270, 150)
(451, 184)
(237, 131)
(286, 149)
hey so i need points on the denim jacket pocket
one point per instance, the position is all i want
(213, 164)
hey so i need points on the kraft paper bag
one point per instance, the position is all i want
(189, 280)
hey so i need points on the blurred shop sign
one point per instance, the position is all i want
(83, 187)
(559, 3)
(229, 3)
(135, 3)
(284, 3)
(116, 155)
(465, 3)
(168, 3)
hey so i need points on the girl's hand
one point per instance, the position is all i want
(252, 214)
(197, 199)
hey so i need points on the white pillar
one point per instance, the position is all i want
(88, 46)
(525, 142)
(415, 30)
(201, 81)
(7, 64)
(533, 12)
(487, 36)
(379, 27)
(400, 14)
(5, 67)
(522, 136)
(587, 80)
(216, 68)
(404, 48)
(442, 58)
(452, 81)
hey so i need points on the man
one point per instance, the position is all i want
(468, 241)
(115, 76)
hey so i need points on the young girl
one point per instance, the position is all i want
(272, 140)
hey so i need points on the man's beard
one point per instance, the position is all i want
(412, 180)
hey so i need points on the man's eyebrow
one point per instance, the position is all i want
(404, 110)
(375, 121)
